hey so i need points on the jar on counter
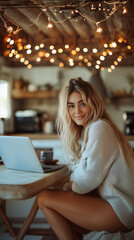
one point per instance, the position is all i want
(48, 127)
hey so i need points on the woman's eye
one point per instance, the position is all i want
(70, 106)
(83, 104)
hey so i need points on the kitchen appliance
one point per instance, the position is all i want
(128, 118)
(28, 121)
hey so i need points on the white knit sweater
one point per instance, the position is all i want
(103, 166)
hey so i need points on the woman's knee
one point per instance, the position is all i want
(42, 199)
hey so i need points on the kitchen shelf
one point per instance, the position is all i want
(24, 94)
(119, 98)
(123, 96)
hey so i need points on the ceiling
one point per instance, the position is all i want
(73, 39)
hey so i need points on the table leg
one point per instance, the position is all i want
(6, 220)
(27, 222)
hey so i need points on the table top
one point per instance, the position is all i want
(15, 184)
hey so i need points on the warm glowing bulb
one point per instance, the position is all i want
(109, 70)
(97, 66)
(60, 50)
(22, 59)
(37, 47)
(73, 52)
(95, 50)
(89, 64)
(10, 29)
(77, 49)
(54, 51)
(115, 63)
(61, 64)
(26, 62)
(99, 29)
(29, 66)
(124, 10)
(8, 39)
(49, 25)
(66, 46)
(70, 60)
(104, 53)
(105, 45)
(80, 57)
(38, 59)
(29, 51)
(85, 49)
(112, 66)
(119, 59)
(86, 60)
(52, 60)
(41, 45)
(71, 64)
(47, 54)
(17, 55)
(51, 47)
(102, 58)
(110, 53)
(113, 45)
(129, 47)
(28, 46)
(11, 42)
(13, 51)
(10, 54)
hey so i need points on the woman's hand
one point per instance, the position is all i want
(67, 186)
(60, 185)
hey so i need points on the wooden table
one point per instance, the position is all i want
(16, 184)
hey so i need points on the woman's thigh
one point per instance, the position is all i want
(91, 213)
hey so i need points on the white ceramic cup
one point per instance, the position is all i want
(48, 127)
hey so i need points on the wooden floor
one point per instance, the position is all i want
(4, 235)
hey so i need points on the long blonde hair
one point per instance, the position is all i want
(70, 132)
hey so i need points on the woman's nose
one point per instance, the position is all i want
(77, 109)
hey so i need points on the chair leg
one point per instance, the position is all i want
(7, 222)
(27, 222)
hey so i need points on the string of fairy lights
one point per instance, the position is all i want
(17, 49)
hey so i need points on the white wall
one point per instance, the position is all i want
(118, 81)
(118, 78)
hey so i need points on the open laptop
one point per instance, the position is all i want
(18, 153)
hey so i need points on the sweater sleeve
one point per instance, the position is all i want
(101, 151)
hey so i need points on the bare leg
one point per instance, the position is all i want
(91, 213)
(60, 225)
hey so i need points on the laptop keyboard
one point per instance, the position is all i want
(50, 168)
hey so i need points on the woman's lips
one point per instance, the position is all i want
(79, 117)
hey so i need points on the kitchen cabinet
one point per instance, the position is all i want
(24, 94)
(42, 101)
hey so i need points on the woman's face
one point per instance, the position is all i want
(78, 110)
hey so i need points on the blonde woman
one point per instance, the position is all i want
(100, 194)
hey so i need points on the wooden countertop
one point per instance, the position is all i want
(49, 136)
(35, 135)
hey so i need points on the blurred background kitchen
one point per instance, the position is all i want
(33, 95)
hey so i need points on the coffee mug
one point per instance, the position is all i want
(46, 154)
